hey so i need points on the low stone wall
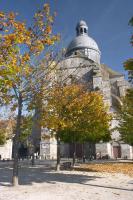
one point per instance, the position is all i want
(6, 150)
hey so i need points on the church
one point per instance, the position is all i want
(82, 63)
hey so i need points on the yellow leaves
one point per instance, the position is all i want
(20, 39)
(19, 26)
(27, 70)
(125, 168)
(37, 47)
(18, 33)
(48, 29)
(51, 19)
(2, 15)
(19, 43)
(6, 31)
(48, 41)
(9, 39)
(8, 83)
(46, 8)
(26, 57)
(14, 62)
(73, 107)
(11, 15)
(56, 38)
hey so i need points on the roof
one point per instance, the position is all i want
(83, 41)
(81, 23)
(112, 73)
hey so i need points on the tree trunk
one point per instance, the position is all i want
(74, 153)
(58, 153)
(32, 152)
(83, 152)
(16, 143)
(33, 159)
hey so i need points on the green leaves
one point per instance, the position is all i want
(26, 128)
(126, 110)
(126, 118)
(128, 65)
(2, 136)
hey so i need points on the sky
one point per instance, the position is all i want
(107, 23)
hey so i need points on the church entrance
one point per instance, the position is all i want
(117, 151)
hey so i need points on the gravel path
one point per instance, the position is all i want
(39, 183)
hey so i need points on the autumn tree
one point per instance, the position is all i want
(2, 133)
(20, 78)
(128, 65)
(126, 119)
(6, 130)
(74, 114)
(126, 110)
(26, 127)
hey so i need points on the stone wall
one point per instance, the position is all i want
(45, 149)
(101, 149)
(6, 150)
(125, 151)
(53, 148)
(48, 149)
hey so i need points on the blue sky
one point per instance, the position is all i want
(107, 21)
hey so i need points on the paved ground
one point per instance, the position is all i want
(41, 183)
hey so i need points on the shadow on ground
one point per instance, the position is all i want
(40, 174)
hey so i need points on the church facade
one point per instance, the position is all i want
(82, 63)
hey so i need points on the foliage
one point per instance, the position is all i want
(77, 114)
(126, 118)
(6, 130)
(21, 80)
(126, 110)
(128, 65)
(18, 46)
(26, 128)
(124, 168)
(2, 136)
(131, 24)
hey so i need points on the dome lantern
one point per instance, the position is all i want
(82, 28)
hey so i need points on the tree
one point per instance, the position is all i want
(20, 78)
(126, 118)
(126, 110)
(26, 128)
(6, 130)
(2, 134)
(74, 114)
(128, 65)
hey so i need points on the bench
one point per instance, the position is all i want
(66, 165)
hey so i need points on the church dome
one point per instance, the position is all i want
(84, 43)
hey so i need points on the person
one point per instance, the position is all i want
(83, 158)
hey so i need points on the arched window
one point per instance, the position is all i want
(81, 30)
(86, 52)
(85, 31)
